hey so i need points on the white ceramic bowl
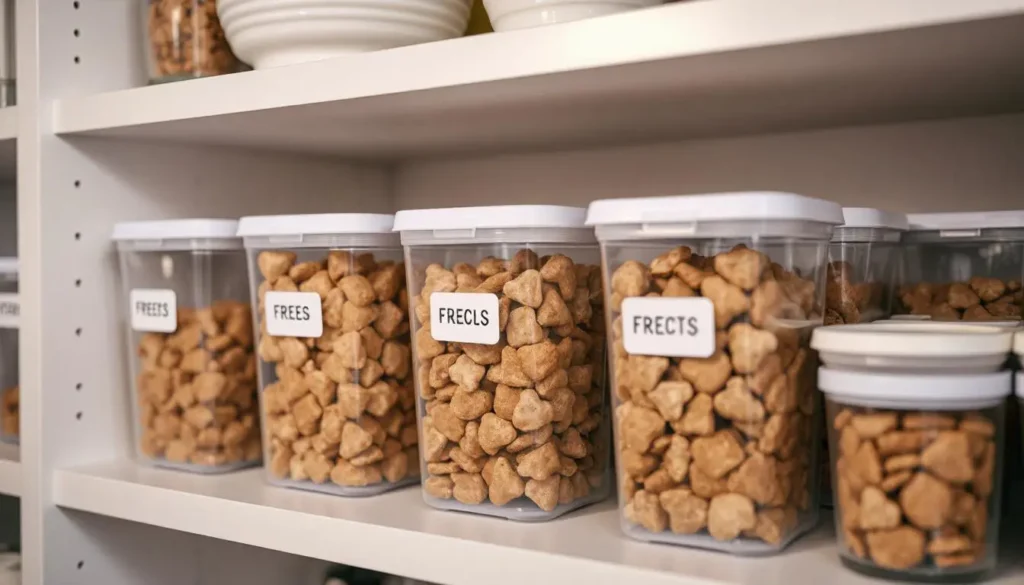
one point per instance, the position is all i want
(272, 33)
(517, 14)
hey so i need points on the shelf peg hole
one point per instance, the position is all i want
(77, 60)
(75, 4)
(78, 282)
(78, 386)
(78, 331)
(78, 235)
(78, 415)
(78, 184)
(81, 563)
(77, 32)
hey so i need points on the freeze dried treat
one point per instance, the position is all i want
(340, 407)
(912, 487)
(848, 301)
(197, 389)
(724, 441)
(186, 40)
(519, 422)
(9, 417)
(979, 299)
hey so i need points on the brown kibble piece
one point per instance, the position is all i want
(926, 501)
(949, 457)
(898, 548)
(729, 515)
(718, 454)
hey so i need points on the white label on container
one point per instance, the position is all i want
(676, 327)
(293, 314)
(464, 317)
(10, 311)
(154, 309)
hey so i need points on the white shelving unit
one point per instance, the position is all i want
(891, 103)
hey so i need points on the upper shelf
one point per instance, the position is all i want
(685, 70)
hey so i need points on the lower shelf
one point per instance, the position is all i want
(397, 533)
(10, 470)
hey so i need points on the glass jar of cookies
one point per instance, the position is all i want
(184, 40)
(863, 262)
(190, 344)
(711, 303)
(963, 266)
(10, 318)
(509, 359)
(917, 462)
(335, 363)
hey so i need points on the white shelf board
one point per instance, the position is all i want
(686, 70)
(397, 533)
(10, 469)
(8, 123)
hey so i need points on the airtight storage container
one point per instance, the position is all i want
(963, 266)
(509, 358)
(335, 373)
(917, 452)
(711, 303)
(190, 344)
(863, 259)
(10, 312)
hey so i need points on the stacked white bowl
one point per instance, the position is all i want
(516, 14)
(271, 33)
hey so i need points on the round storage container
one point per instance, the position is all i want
(10, 312)
(863, 259)
(918, 462)
(190, 344)
(509, 357)
(963, 266)
(334, 357)
(184, 40)
(711, 304)
(947, 348)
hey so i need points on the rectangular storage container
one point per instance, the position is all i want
(190, 344)
(963, 266)
(863, 262)
(329, 296)
(509, 357)
(711, 304)
(918, 460)
(10, 313)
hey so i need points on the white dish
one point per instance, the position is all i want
(509, 15)
(273, 33)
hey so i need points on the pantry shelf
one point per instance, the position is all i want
(688, 70)
(10, 470)
(442, 547)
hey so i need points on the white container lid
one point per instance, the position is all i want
(498, 223)
(177, 234)
(966, 221)
(320, 229)
(9, 266)
(912, 391)
(869, 217)
(771, 213)
(927, 320)
(913, 346)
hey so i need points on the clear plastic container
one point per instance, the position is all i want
(335, 372)
(190, 344)
(509, 354)
(184, 40)
(10, 310)
(963, 266)
(711, 301)
(863, 262)
(947, 348)
(918, 460)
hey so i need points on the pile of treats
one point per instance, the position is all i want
(848, 301)
(9, 415)
(913, 488)
(341, 407)
(197, 389)
(523, 416)
(719, 445)
(978, 300)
